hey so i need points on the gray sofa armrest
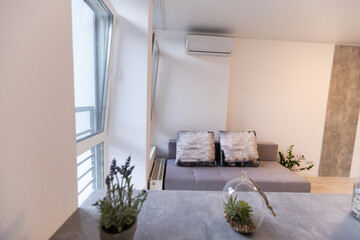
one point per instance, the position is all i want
(268, 151)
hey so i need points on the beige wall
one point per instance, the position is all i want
(37, 126)
(279, 89)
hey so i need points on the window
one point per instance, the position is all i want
(91, 41)
(92, 26)
(90, 171)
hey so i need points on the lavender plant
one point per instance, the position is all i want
(119, 208)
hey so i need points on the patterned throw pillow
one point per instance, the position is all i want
(195, 149)
(239, 149)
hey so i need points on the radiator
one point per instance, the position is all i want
(157, 174)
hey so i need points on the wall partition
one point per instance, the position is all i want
(342, 113)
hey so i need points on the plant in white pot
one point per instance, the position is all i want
(120, 207)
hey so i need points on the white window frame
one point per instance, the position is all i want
(88, 143)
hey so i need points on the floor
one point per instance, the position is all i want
(332, 184)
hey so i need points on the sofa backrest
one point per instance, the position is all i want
(267, 150)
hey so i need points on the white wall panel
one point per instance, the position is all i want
(128, 127)
(38, 182)
(191, 91)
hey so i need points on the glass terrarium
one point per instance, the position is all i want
(244, 206)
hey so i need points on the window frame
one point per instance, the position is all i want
(96, 159)
(155, 47)
(99, 103)
(85, 144)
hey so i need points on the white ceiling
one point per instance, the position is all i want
(326, 21)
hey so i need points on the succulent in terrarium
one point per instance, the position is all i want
(244, 204)
(238, 214)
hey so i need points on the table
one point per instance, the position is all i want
(199, 215)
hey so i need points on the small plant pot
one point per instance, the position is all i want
(233, 223)
(128, 234)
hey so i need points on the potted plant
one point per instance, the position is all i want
(120, 207)
(292, 161)
(238, 215)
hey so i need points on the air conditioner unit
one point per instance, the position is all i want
(157, 174)
(209, 45)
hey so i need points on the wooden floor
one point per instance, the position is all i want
(332, 184)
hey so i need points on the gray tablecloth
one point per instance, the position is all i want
(199, 215)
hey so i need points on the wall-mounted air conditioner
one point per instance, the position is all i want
(209, 45)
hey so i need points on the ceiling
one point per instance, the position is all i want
(325, 21)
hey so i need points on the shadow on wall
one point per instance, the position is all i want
(116, 100)
(128, 94)
(163, 133)
(191, 92)
(162, 124)
(115, 53)
(118, 140)
(10, 232)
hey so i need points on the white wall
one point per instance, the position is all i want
(279, 89)
(355, 165)
(37, 125)
(128, 129)
(191, 92)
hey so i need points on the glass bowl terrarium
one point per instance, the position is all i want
(244, 207)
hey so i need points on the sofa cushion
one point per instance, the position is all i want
(267, 151)
(195, 149)
(270, 176)
(239, 148)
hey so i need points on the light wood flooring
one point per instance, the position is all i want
(332, 184)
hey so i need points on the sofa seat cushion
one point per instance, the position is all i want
(270, 176)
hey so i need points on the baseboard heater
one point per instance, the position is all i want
(156, 179)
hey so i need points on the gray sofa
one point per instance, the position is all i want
(270, 175)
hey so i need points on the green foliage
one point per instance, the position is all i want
(240, 211)
(119, 208)
(292, 162)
